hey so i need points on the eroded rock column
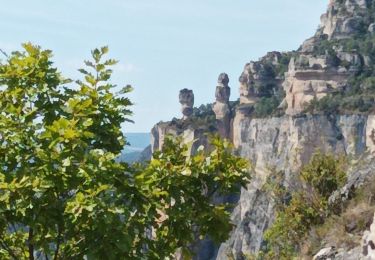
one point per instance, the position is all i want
(186, 98)
(221, 106)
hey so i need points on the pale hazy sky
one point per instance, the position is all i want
(163, 45)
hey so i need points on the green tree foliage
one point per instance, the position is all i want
(307, 208)
(63, 194)
(266, 106)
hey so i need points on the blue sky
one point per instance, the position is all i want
(163, 45)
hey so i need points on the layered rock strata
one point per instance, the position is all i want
(283, 145)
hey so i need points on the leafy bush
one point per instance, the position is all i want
(64, 194)
(307, 208)
(266, 106)
(324, 174)
(283, 64)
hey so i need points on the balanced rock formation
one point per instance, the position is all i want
(221, 106)
(186, 98)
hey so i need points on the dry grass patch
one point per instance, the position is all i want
(344, 230)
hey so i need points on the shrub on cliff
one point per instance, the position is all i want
(266, 106)
(307, 208)
(63, 194)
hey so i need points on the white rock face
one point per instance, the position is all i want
(158, 134)
(308, 79)
(370, 133)
(326, 254)
(283, 144)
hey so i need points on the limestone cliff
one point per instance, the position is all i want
(320, 97)
(284, 144)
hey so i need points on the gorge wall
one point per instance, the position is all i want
(280, 120)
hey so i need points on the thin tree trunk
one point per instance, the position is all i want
(56, 257)
(31, 246)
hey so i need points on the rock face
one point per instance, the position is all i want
(331, 253)
(259, 77)
(158, 134)
(186, 98)
(221, 107)
(326, 254)
(311, 77)
(364, 252)
(284, 144)
(194, 136)
(343, 18)
(317, 69)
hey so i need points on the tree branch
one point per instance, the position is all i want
(56, 257)
(4, 53)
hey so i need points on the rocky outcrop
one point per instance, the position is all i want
(260, 78)
(321, 66)
(343, 19)
(326, 254)
(221, 107)
(283, 145)
(145, 155)
(158, 134)
(186, 98)
(311, 77)
(331, 253)
(364, 252)
(194, 136)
